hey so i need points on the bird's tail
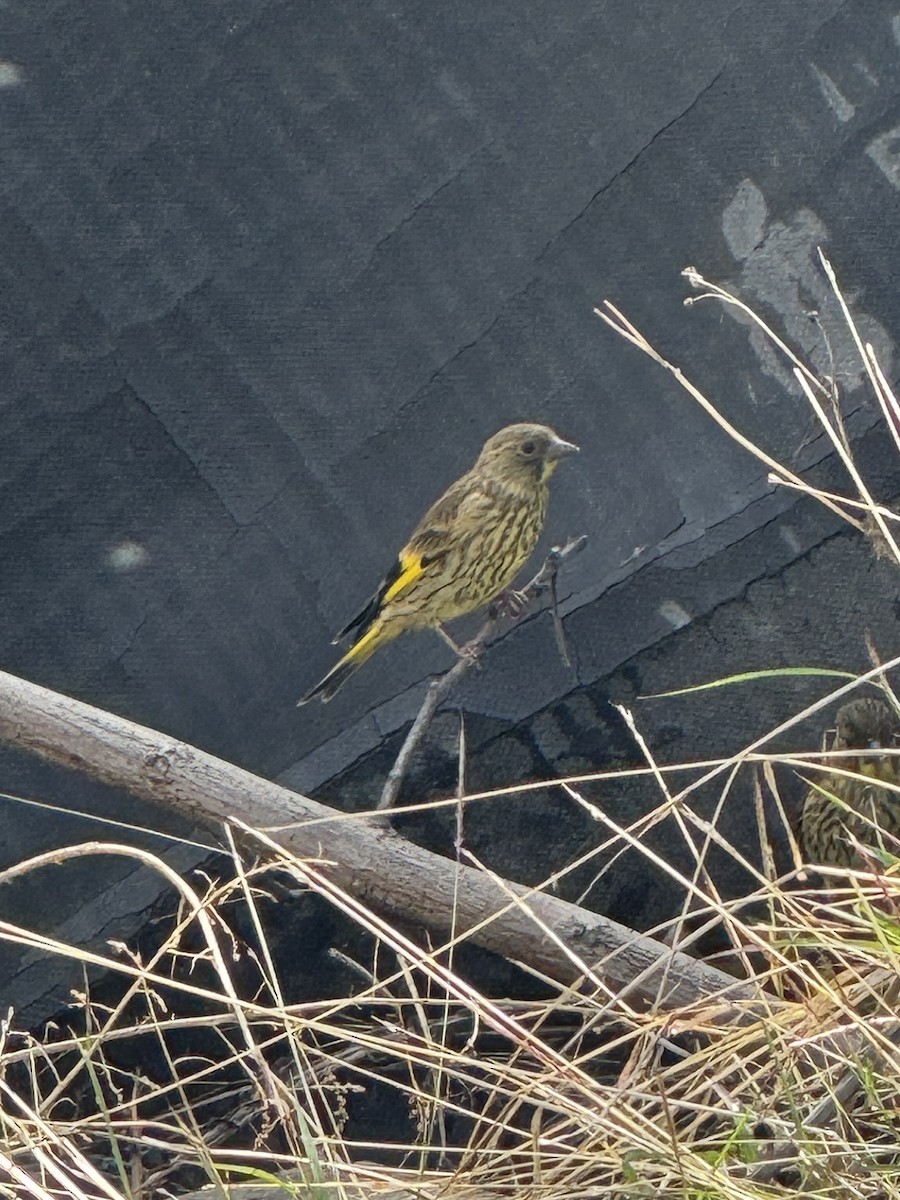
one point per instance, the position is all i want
(377, 636)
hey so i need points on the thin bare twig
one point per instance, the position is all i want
(442, 685)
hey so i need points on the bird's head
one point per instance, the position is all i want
(522, 455)
(866, 723)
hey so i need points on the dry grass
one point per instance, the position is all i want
(579, 1095)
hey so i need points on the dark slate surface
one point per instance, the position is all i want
(271, 273)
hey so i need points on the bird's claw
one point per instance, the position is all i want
(510, 603)
(472, 652)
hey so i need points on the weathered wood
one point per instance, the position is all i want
(366, 859)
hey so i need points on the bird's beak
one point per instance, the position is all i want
(559, 449)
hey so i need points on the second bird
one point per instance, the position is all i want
(847, 809)
(466, 550)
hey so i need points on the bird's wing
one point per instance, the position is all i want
(426, 547)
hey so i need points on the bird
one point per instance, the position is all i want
(843, 811)
(466, 550)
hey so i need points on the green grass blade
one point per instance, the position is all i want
(750, 676)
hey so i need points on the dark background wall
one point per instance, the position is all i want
(270, 275)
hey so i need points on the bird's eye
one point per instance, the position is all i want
(528, 448)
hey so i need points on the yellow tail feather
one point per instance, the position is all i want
(359, 653)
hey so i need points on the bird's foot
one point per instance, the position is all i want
(471, 651)
(510, 603)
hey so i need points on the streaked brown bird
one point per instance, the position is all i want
(465, 551)
(861, 811)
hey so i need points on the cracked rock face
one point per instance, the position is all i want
(272, 277)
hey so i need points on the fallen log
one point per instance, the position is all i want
(363, 856)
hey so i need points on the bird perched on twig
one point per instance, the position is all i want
(465, 551)
(844, 810)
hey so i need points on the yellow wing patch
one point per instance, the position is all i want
(412, 567)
